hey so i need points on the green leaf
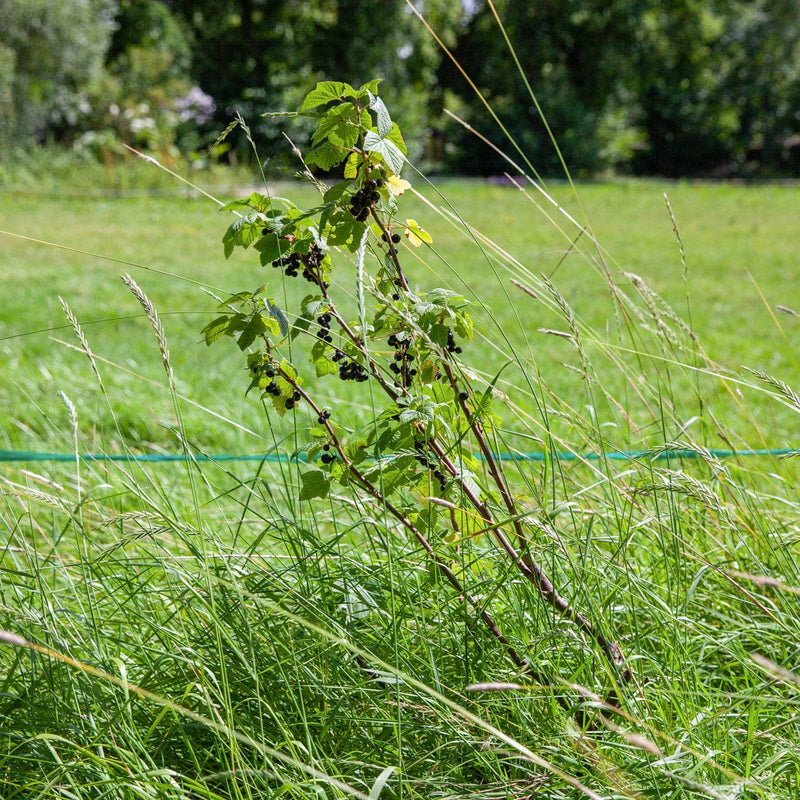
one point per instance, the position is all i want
(371, 87)
(243, 231)
(235, 299)
(315, 484)
(277, 313)
(356, 451)
(415, 230)
(326, 156)
(301, 324)
(395, 136)
(463, 326)
(344, 230)
(387, 149)
(382, 113)
(321, 359)
(325, 92)
(351, 166)
(287, 369)
(271, 248)
(255, 327)
(338, 189)
(340, 126)
(216, 329)
(255, 201)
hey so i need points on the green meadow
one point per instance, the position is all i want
(194, 630)
(734, 288)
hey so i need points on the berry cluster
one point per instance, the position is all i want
(310, 262)
(361, 201)
(423, 459)
(327, 457)
(324, 417)
(350, 370)
(259, 365)
(272, 387)
(452, 347)
(324, 332)
(395, 238)
(403, 364)
(291, 402)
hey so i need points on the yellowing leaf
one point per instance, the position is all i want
(417, 235)
(397, 185)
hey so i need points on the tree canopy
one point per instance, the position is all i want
(671, 87)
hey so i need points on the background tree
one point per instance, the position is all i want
(146, 83)
(51, 56)
(679, 58)
(575, 55)
(761, 81)
(255, 56)
(670, 87)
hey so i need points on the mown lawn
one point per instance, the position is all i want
(739, 249)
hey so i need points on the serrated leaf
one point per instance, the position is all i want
(356, 451)
(216, 329)
(321, 359)
(344, 230)
(313, 304)
(326, 156)
(315, 484)
(338, 189)
(339, 126)
(255, 201)
(385, 147)
(287, 369)
(243, 231)
(397, 186)
(382, 114)
(271, 248)
(325, 92)
(234, 299)
(255, 327)
(370, 87)
(279, 404)
(409, 415)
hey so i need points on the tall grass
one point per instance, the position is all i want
(198, 632)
